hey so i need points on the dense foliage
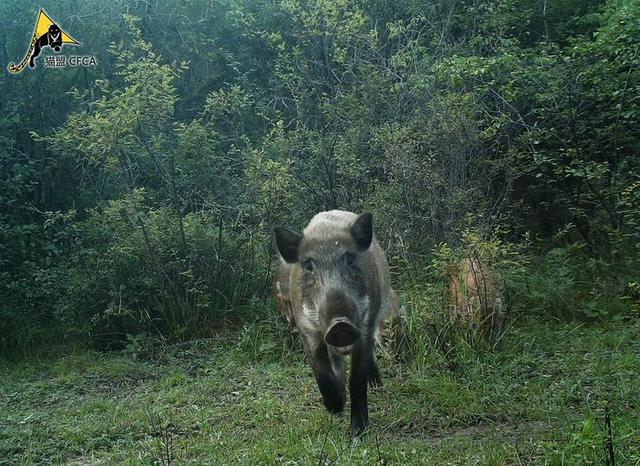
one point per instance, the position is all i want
(136, 196)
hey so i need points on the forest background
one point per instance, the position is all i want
(137, 195)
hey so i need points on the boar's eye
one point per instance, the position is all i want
(308, 265)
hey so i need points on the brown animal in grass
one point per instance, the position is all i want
(477, 295)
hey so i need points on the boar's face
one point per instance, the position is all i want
(332, 276)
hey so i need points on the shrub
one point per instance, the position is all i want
(567, 283)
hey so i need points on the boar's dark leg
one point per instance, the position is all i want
(361, 363)
(331, 388)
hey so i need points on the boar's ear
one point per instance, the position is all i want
(287, 242)
(362, 231)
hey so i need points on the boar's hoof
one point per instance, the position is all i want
(357, 430)
(341, 333)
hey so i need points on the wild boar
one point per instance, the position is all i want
(476, 295)
(339, 291)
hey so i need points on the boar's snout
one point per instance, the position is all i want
(341, 333)
(341, 317)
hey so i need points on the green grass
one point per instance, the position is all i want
(249, 398)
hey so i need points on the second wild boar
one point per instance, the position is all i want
(476, 296)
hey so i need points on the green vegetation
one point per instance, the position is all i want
(136, 198)
(136, 195)
(248, 397)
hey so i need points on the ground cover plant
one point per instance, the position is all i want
(137, 196)
(248, 396)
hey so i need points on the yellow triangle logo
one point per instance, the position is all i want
(42, 27)
(43, 35)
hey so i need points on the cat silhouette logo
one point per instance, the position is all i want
(46, 34)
